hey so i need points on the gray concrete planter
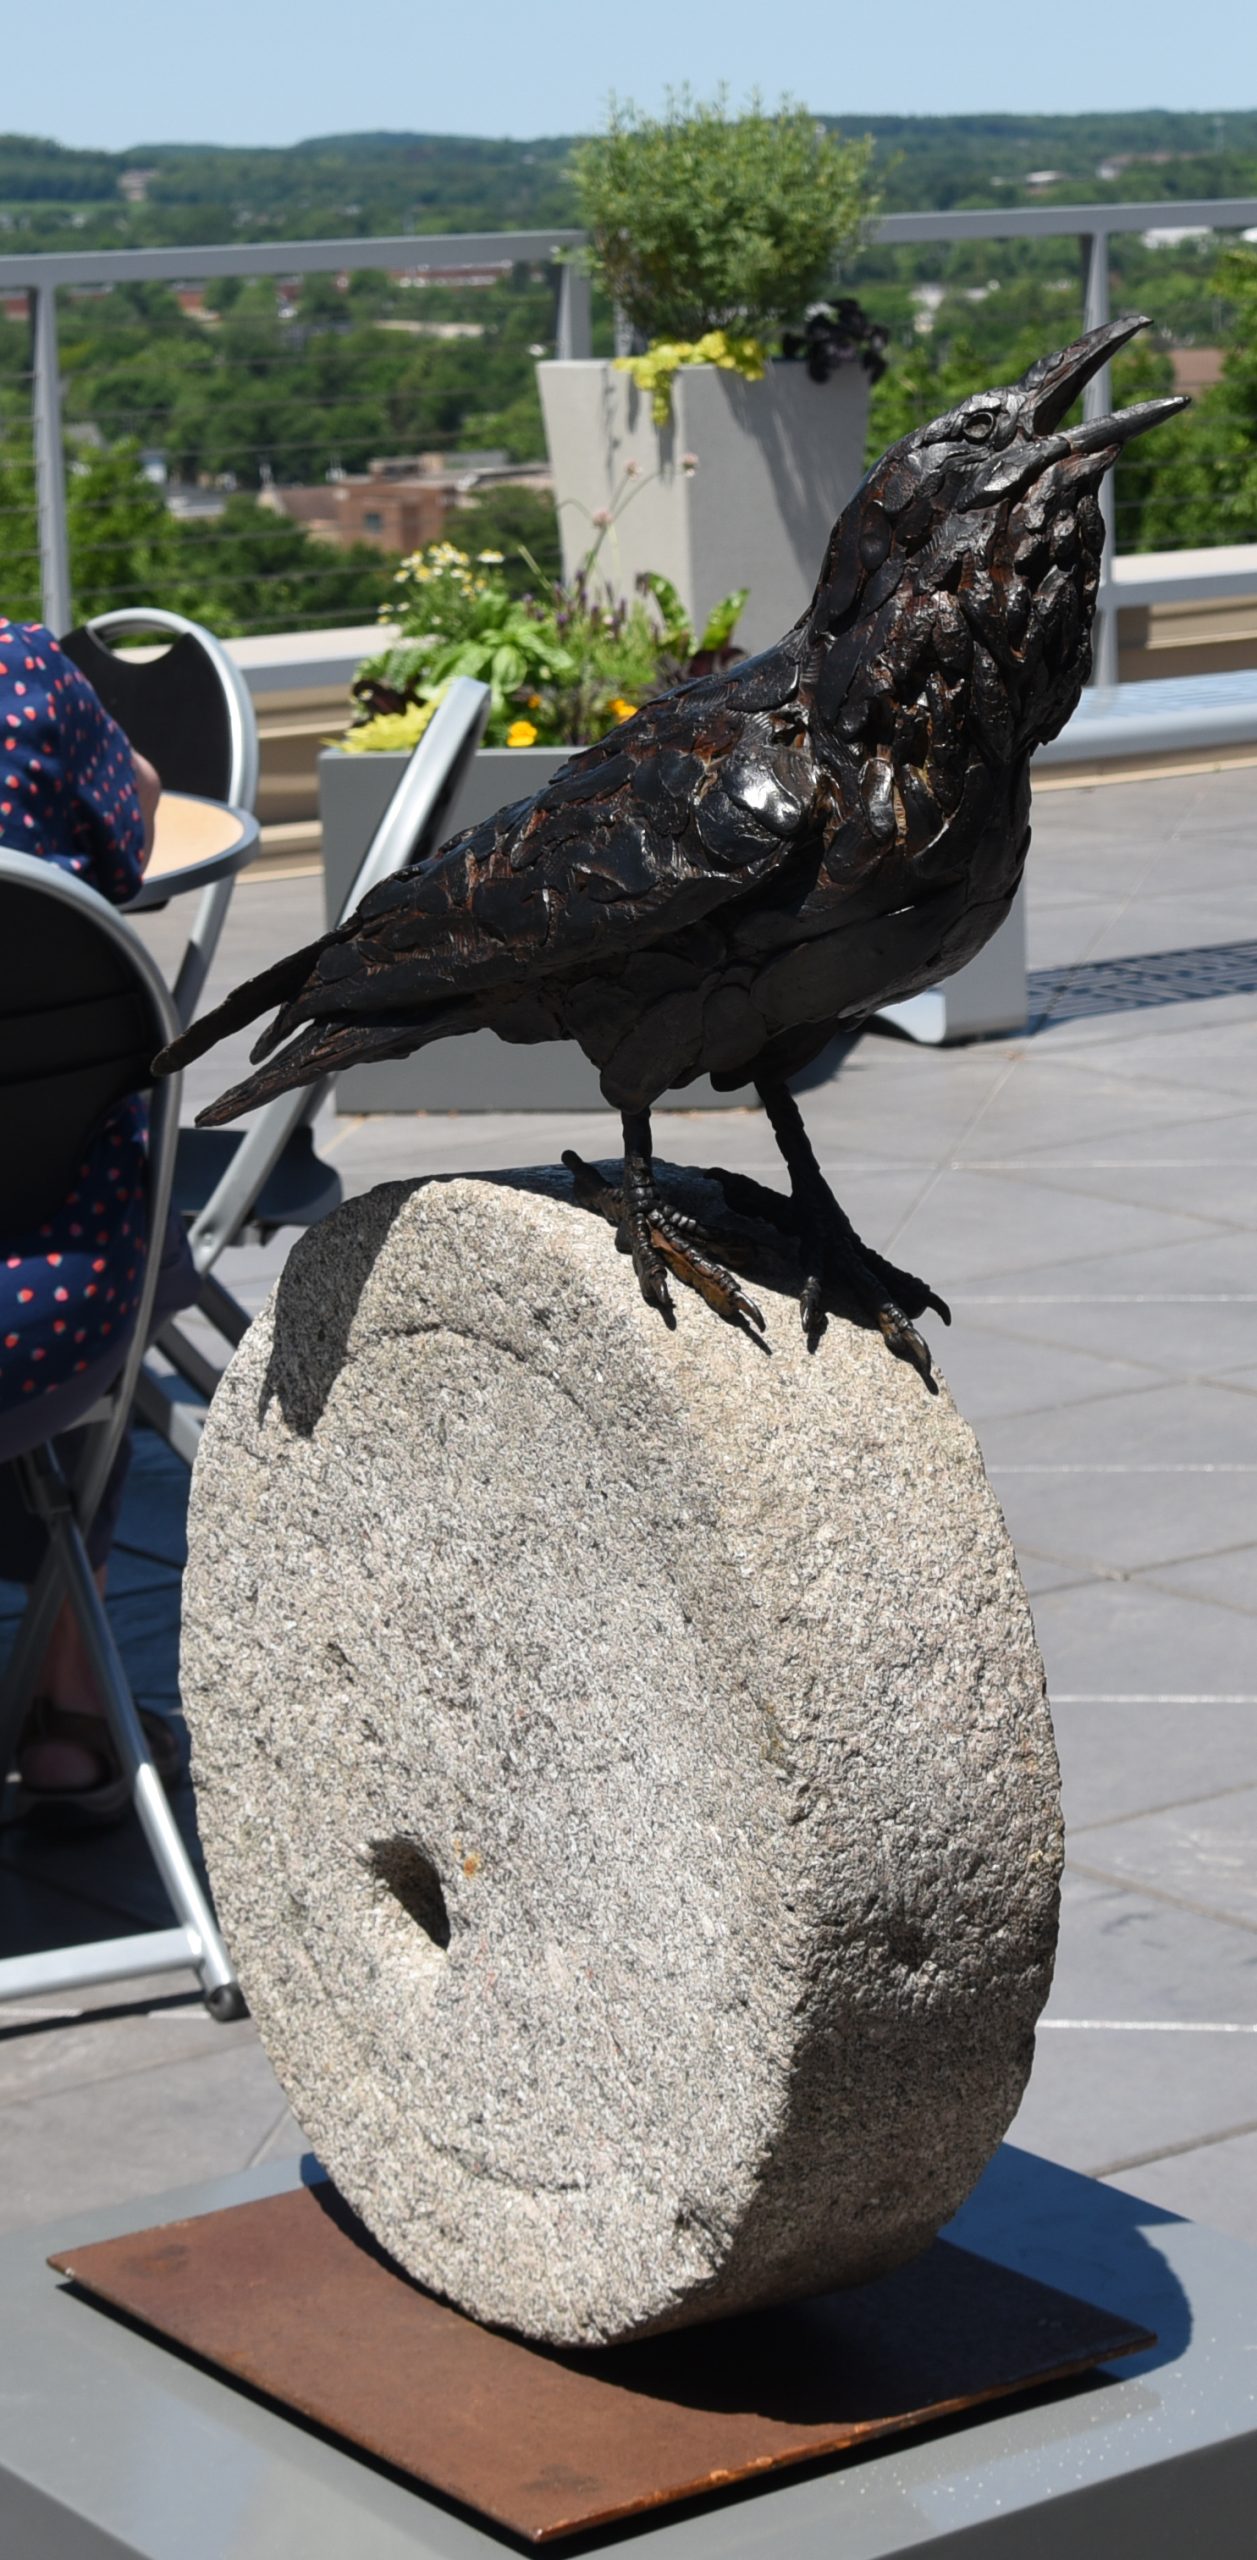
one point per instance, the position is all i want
(777, 461)
(478, 1072)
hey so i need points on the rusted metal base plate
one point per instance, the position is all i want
(292, 2296)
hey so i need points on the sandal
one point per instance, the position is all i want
(108, 1798)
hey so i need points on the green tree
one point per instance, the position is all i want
(515, 522)
(252, 570)
(1206, 492)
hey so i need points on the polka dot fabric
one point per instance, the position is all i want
(67, 783)
(67, 794)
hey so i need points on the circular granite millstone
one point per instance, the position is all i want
(623, 1765)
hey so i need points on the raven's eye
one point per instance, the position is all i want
(978, 427)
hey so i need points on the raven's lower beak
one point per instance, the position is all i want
(1096, 433)
(1054, 383)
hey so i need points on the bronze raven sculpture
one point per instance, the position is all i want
(768, 854)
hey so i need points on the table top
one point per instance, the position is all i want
(106, 2438)
(195, 842)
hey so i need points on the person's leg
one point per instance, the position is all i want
(67, 1680)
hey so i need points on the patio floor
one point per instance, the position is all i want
(1086, 1197)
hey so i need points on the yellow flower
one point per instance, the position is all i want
(521, 734)
(621, 709)
(534, 702)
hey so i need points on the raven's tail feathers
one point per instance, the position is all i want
(277, 985)
(322, 1050)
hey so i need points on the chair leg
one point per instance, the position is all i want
(178, 1424)
(21, 1670)
(233, 1320)
(50, 1497)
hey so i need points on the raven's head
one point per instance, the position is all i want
(996, 506)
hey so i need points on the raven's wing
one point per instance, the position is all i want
(692, 802)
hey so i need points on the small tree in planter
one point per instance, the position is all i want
(714, 233)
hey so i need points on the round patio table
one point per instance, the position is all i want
(196, 843)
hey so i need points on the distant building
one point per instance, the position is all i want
(1036, 178)
(401, 501)
(134, 184)
(1170, 235)
(420, 276)
(1196, 369)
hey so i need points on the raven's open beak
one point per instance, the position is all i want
(1048, 390)
(1054, 383)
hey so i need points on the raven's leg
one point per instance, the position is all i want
(833, 1254)
(659, 1237)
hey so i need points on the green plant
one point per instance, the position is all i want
(701, 221)
(562, 664)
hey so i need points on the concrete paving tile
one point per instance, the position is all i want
(1128, 1523)
(1167, 1422)
(1215, 2184)
(1222, 1055)
(1054, 1100)
(1125, 1954)
(1205, 1854)
(37, 1911)
(993, 1374)
(1221, 1193)
(104, 2045)
(1120, 1758)
(67, 2150)
(1096, 2101)
(1157, 1139)
(1204, 1264)
(284, 2141)
(1230, 1580)
(989, 1225)
(1178, 1330)
(132, 1576)
(146, 1627)
(1043, 1573)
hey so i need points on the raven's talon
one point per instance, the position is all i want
(812, 1309)
(662, 1239)
(901, 1337)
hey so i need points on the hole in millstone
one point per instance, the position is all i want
(404, 1870)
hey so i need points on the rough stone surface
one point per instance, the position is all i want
(623, 1764)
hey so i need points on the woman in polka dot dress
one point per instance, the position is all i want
(74, 792)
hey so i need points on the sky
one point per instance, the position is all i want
(120, 72)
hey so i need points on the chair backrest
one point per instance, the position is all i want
(82, 1012)
(188, 710)
(412, 823)
(411, 826)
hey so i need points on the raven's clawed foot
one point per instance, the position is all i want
(837, 1263)
(661, 1239)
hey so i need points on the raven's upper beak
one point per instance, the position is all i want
(1054, 383)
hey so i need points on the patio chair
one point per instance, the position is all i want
(189, 711)
(82, 1010)
(233, 1184)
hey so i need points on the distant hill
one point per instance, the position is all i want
(355, 184)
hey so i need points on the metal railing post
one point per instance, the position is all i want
(1097, 400)
(54, 540)
(573, 335)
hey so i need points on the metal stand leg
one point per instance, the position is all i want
(196, 1942)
